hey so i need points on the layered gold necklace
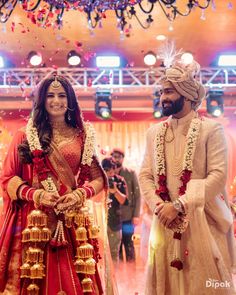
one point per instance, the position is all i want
(176, 155)
(62, 133)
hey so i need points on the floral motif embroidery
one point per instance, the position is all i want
(89, 144)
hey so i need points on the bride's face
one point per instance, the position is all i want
(56, 101)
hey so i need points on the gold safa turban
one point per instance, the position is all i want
(183, 79)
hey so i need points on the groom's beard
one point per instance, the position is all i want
(172, 107)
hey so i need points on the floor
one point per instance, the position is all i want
(131, 279)
(131, 276)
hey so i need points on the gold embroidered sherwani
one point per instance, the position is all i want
(206, 247)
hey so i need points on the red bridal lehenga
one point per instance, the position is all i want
(66, 272)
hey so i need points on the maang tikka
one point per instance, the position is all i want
(55, 84)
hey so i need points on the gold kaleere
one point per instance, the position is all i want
(87, 285)
(35, 234)
(85, 251)
(69, 218)
(80, 266)
(25, 270)
(34, 255)
(45, 234)
(81, 234)
(37, 218)
(37, 271)
(68, 221)
(81, 219)
(93, 232)
(32, 289)
(26, 235)
(90, 266)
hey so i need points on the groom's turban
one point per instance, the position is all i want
(183, 80)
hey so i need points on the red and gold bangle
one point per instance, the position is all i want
(89, 191)
(26, 192)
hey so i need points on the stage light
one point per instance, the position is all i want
(150, 58)
(227, 60)
(215, 102)
(187, 58)
(157, 110)
(103, 104)
(73, 58)
(161, 37)
(2, 64)
(112, 61)
(35, 58)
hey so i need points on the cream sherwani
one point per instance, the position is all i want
(206, 247)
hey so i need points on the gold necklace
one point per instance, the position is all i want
(62, 133)
(169, 136)
(176, 158)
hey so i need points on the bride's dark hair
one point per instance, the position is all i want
(73, 116)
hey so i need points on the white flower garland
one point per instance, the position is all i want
(87, 158)
(189, 148)
(34, 144)
(32, 136)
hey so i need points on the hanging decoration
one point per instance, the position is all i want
(48, 13)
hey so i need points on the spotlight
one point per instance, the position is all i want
(227, 60)
(103, 104)
(35, 58)
(187, 58)
(215, 103)
(1, 62)
(161, 37)
(73, 58)
(157, 111)
(150, 58)
(112, 61)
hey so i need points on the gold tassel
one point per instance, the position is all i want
(25, 270)
(69, 217)
(37, 218)
(81, 234)
(85, 251)
(93, 232)
(32, 289)
(68, 221)
(45, 234)
(26, 235)
(34, 255)
(35, 234)
(90, 266)
(37, 271)
(80, 266)
(79, 219)
(87, 285)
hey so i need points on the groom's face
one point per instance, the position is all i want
(171, 101)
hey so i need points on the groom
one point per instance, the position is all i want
(182, 178)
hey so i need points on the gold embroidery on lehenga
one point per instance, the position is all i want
(13, 185)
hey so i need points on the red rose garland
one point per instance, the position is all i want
(162, 190)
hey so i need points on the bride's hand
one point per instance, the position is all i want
(69, 201)
(48, 199)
